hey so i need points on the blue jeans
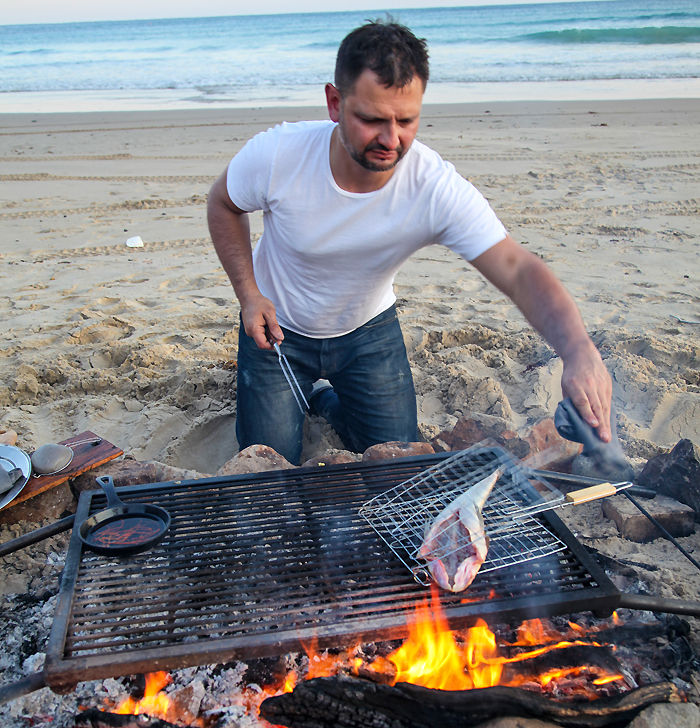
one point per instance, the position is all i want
(373, 399)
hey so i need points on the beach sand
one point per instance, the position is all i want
(138, 344)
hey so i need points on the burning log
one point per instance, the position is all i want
(346, 702)
(594, 656)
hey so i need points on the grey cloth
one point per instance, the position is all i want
(607, 457)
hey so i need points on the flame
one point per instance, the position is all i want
(430, 656)
(608, 679)
(483, 662)
(154, 702)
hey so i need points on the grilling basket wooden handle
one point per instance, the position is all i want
(595, 492)
(575, 498)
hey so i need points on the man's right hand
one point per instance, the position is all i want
(230, 233)
(260, 321)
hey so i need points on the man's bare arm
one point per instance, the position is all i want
(230, 232)
(547, 305)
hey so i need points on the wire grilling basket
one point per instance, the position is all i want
(400, 515)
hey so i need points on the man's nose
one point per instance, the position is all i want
(389, 135)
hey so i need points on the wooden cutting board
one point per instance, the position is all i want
(86, 456)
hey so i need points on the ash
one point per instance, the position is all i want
(227, 695)
(650, 648)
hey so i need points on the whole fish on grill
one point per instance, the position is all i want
(455, 543)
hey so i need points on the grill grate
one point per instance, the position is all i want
(261, 564)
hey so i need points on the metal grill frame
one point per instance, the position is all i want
(354, 589)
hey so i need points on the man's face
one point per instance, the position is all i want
(376, 124)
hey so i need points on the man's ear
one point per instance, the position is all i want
(333, 102)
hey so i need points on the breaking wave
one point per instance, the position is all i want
(642, 36)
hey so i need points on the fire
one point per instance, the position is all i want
(154, 702)
(432, 656)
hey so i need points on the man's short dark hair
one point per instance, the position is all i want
(388, 49)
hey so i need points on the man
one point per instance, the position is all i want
(345, 203)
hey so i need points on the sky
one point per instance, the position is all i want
(14, 12)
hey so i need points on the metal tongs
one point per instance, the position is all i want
(291, 379)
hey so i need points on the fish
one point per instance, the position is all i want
(455, 543)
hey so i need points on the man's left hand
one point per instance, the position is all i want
(586, 380)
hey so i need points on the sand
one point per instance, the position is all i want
(137, 344)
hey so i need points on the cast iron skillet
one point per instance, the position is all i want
(123, 528)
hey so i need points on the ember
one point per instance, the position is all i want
(433, 656)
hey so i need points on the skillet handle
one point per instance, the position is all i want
(107, 485)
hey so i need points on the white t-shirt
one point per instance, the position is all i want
(327, 257)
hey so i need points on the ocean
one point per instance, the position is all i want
(618, 49)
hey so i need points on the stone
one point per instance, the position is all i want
(185, 703)
(468, 432)
(51, 505)
(34, 663)
(336, 458)
(517, 722)
(388, 450)
(668, 715)
(676, 474)
(677, 518)
(131, 472)
(465, 433)
(8, 437)
(254, 459)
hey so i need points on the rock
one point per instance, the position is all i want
(8, 437)
(517, 722)
(185, 704)
(123, 472)
(34, 663)
(387, 450)
(668, 715)
(131, 472)
(254, 459)
(331, 459)
(676, 474)
(677, 518)
(53, 505)
(468, 432)
(543, 436)
(168, 472)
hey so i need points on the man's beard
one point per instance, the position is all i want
(361, 157)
